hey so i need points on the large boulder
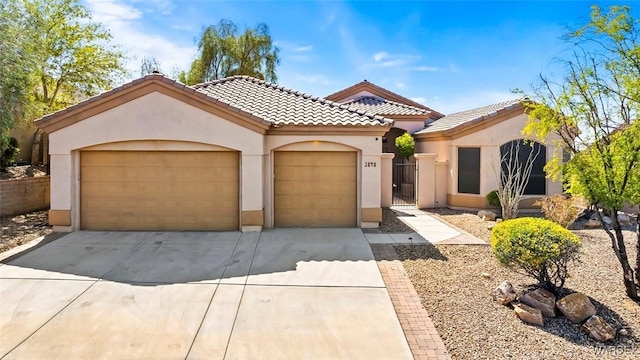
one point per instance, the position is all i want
(576, 307)
(598, 329)
(504, 294)
(592, 224)
(542, 300)
(481, 213)
(489, 216)
(624, 219)
(529, 314)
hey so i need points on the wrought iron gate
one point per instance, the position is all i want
(405, 184)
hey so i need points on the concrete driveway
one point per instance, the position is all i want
(285, 293)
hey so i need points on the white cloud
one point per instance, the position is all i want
(383, 59)
(400, 85)
(125, 22)
(164, 7)
(314, 79)
(109, 11)
(377, 57)
(425, 68)
(305, 48)
(418, 99)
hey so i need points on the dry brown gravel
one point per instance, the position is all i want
(24, 171)
(20, 229)
(456, 296)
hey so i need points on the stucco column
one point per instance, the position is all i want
(252, 218)
(386, 180)
(426, 180)
(61, 181)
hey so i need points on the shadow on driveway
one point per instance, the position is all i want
(290, 256)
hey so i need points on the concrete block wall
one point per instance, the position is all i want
(20, 196)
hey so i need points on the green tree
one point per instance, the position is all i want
(224, 51)
(71, 56)
(15, 82)
(405, 144)
(594, 110)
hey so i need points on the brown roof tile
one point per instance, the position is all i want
(281, 106)
(455, 120)
(380, 106)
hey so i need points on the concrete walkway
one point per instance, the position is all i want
(427, 228)
(285, 293)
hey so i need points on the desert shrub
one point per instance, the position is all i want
(405, 144)
(562, 209)
(538, 248)
(493, 198)
(9, 153)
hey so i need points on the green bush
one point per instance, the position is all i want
(562, 209)
(537, 247)
(9, 153)
(493, 198)
(405, 144)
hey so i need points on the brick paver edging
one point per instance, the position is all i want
(421, 334)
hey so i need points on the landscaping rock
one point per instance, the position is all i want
(598, 329)
(499, 220)
(490, 226)
(529, 314)
(489, 216)
(607, 220)
(624, 219)
(576, 307)
(481, 213)
(486, 275)
(542, 300)
(592, 224)
(504, 294)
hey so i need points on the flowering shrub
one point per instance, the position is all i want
(540, 248)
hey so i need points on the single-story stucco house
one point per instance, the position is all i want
(242, 154)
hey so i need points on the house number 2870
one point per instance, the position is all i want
(370, 164)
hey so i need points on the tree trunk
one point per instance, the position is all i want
(35, 148)
(638, 248)
(620, 249)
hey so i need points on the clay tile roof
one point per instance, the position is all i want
(281, 106)
(380, 106)
(262, 101)
(455, 120)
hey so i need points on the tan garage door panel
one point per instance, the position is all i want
(155, 190)
(315, 188)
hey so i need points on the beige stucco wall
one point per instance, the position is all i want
(159, 122)
(158, 118)
(489, 141)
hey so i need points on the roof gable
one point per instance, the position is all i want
(247, 101)
(381, 106)
(464, 120)
(366, 86)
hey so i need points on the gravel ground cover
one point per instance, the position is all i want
(20, 229)
(458, 299)
(24, 171)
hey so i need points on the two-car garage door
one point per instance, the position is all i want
(156, 190)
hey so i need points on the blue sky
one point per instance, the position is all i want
(448, 55)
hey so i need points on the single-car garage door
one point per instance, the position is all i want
(315, 188)
(156, 190)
